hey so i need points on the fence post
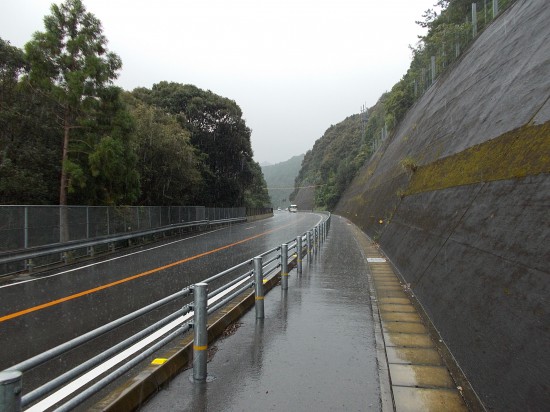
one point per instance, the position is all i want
(87, 222)
(26, 228)
(28, 263)
(160, 218)
(433, 68)
(299, 253)
(108, 222)
(495, 8)
(10, 391)
(284, 266)
(200, 343)
(259, 286)
(474, 19)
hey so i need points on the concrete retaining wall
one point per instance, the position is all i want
(459, 198)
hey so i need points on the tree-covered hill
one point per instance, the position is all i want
(332, 162)
(337, 156)
(280, 180)
(69, 136)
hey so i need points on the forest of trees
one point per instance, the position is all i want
(69, 136)
(343, 149)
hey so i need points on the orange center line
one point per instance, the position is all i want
(139, 275)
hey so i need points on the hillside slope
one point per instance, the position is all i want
(330, 165)
(280, 180)
(458, 198)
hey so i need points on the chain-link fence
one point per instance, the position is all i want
(452, 39)
(23, 227)
(446, 45)
(218, 213)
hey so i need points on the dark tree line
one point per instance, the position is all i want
(69, 136)
(219, 133)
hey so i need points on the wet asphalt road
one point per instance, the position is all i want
(47, 309)
(314, 351)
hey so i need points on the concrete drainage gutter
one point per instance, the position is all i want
(421, 371)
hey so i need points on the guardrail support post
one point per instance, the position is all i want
(299, 253)
(308, 240)
(10, 391)
(200, 343)
(259, 286)
(284, 266)
(29, 265)
(316, 238)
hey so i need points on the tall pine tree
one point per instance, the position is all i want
(70, 64)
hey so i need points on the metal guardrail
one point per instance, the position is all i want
(29, 255)
(11, 398)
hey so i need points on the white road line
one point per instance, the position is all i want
(107, 261)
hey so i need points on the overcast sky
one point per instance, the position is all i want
(295, 67)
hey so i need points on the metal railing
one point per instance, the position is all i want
(262, 268)
(190, 316)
